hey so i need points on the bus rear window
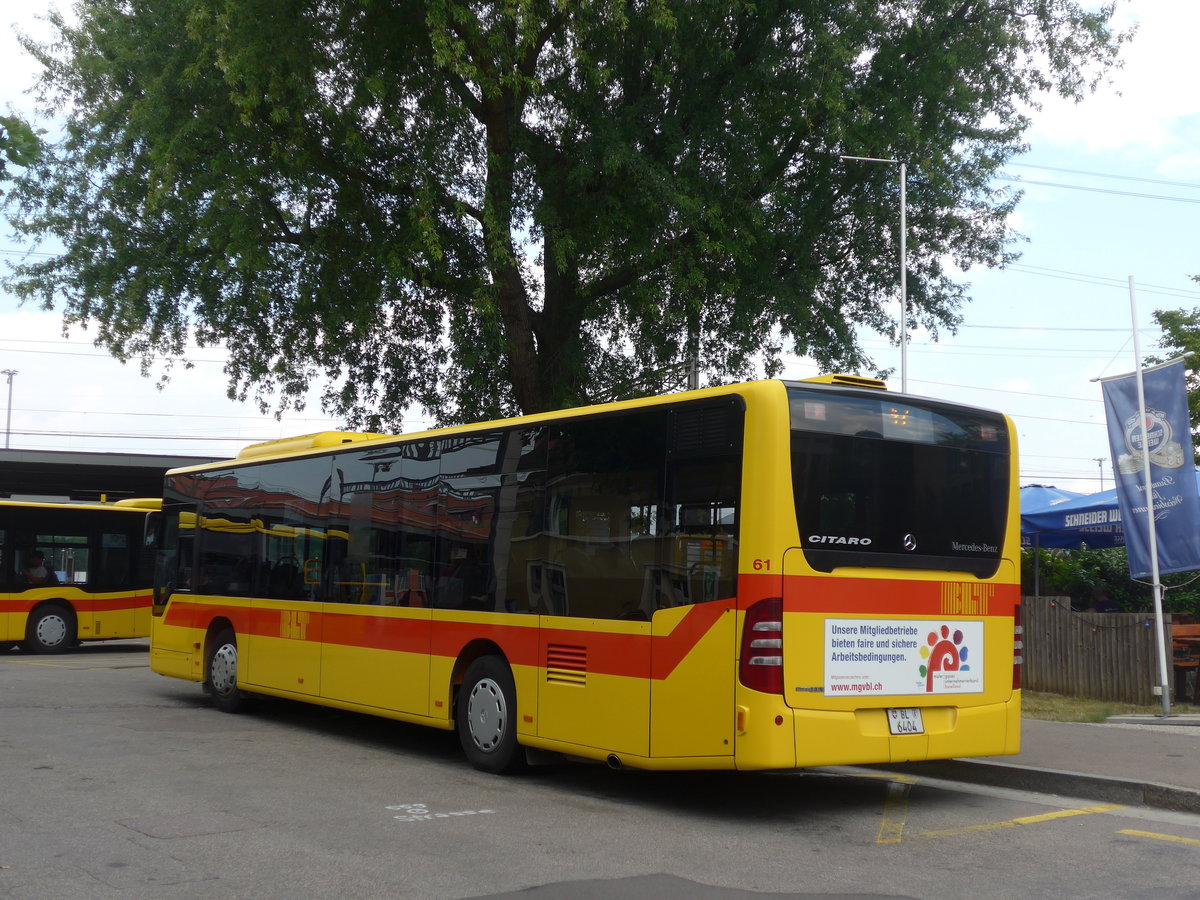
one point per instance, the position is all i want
(881, 481)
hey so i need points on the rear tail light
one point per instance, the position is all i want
(761, 666)
(1018, 646)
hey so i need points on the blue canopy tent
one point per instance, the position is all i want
(1036, 496)
(1087, 522)
(1039, 497)
(1071, 521)
(1043, 524)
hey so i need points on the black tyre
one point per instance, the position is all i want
(50, 629)
(220, 672)
(487, 717)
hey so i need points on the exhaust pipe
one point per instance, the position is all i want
(614, 761)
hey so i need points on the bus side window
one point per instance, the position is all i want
(604, 488)
(469, 488)
(703, 498)
(112, 568)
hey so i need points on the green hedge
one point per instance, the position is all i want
(1078, 574)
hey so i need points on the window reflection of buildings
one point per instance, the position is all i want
(599, 516)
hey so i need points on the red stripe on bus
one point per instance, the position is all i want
(874, 596)
(631, 655)
(85, 602)
(670, 650)
(200, 616)
(399, 633)
(519, 642)
(109, 604)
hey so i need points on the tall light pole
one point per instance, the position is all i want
(903, 261)
(8, 419)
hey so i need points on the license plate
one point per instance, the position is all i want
(905, 720)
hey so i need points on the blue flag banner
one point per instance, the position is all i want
(1166, 431)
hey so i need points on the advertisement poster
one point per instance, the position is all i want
(881, 657)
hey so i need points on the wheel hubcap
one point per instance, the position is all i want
(51, 630)
(487, 714)
(223, 676)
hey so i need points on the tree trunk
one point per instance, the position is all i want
(511, 298)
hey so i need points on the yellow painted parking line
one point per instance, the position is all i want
(1023, 820)
(1160, 837)
(888, 776)
(895, 813)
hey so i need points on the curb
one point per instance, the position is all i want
(1175, 719)
(1053, 781)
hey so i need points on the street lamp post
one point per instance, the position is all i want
(8, 419)
(903, 261)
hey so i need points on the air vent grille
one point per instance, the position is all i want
(566, 664)
(700, 429)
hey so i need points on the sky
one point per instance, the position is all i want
(1111, 192)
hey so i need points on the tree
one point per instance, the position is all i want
(1181, 334)
(19, 144)
(497, 206)
(1078, 574)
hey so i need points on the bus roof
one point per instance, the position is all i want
(319, 440)
(323, 441)
(131, 504)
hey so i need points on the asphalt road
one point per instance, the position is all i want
(117, 783)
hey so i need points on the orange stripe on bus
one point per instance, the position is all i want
(84, 602)
(634, 655)
(873, 596)
(405, 635)
(670, 650)
(109, 604)
(200, 615)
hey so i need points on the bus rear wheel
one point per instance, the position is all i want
(487, 717)
(220, 672)
(50, 629)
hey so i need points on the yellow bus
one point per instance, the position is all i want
(760, 576)
(73, 572)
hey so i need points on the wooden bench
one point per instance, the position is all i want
(1186, 659)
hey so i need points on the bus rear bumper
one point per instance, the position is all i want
(782, 737)
(862, 736)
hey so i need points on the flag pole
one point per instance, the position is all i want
(1160, 643)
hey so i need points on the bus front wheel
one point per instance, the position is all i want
(487, 717)
(220, 672)
(50, 629)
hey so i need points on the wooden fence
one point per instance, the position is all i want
(1104, 656)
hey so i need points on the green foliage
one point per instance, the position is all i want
(520, 205)
(1181, 334)
(1078, 574)
(19, 144)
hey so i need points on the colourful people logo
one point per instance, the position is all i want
(944, 652)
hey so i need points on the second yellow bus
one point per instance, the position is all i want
(74, 571)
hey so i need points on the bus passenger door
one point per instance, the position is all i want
(111, 582)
